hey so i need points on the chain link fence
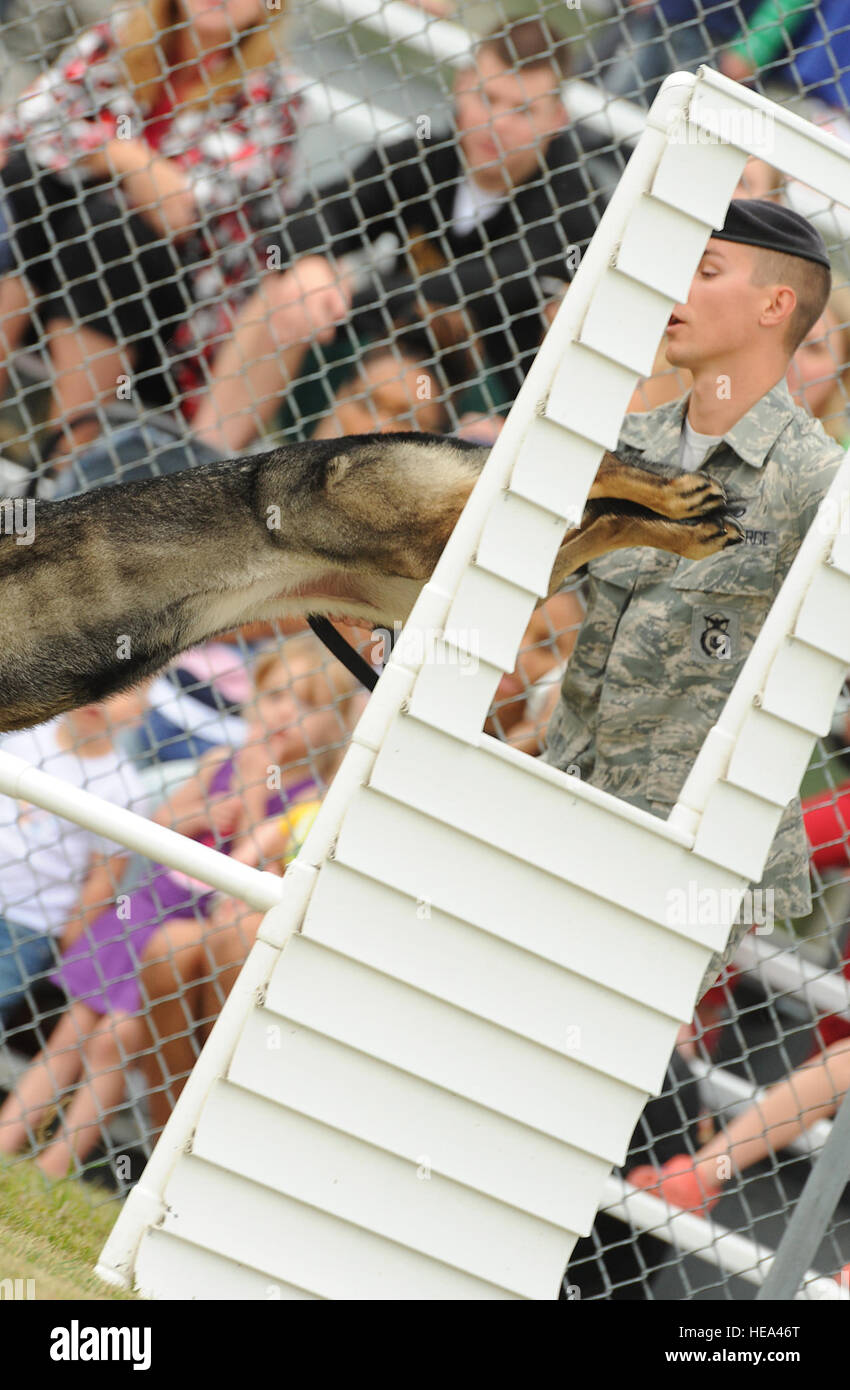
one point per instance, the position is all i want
(230, 229)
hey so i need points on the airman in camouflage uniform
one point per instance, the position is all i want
(664, 638)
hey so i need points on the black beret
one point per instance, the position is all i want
(756, 222)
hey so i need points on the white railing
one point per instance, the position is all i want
(23, 782)
(706, 1239)
(788, 972)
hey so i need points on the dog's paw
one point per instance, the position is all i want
(693, 494)
(711, 534)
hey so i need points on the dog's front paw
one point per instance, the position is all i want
(711, 534)
(693, 494)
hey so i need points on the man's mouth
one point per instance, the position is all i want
(673, 320)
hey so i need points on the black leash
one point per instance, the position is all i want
(343, 651)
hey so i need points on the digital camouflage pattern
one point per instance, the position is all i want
(664, 639)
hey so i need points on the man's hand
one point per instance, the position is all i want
(310, 300)
(733, 66)
(156, 185)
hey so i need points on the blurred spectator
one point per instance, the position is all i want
(56, 876)
(410, 382)
(638, 49)
(142, 174)
(812, 1092)
(33, 35)
(482, 214)
(152, 933)
(196, 705)
(391, 391)
(805, 44)
(819, 374)
(789, 1107)
(316, 703)
(526, 697)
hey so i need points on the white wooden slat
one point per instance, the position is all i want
(770, 757)
(590, 394)
(519, 543)
(662, 246)
(697, 177)
(738, 828)
(579, 929)
(405, 1202)
(839, 554)
(244, 1222)
(418, 1033)
(802, 685)
(625, 321)
(555, 468)
(491, 978)
(495, 614)
(454, 692)
(365, 1097)
(171, 1268)
(817, 159)
(828, 594)
(543, 823)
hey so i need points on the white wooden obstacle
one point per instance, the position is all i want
(453, 1014)
(450, 1024)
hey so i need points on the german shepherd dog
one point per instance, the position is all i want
(116, 582)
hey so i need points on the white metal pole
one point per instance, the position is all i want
(19, 779)
(733, 1253)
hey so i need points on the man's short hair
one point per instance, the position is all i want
(530, 43)
(810, 281)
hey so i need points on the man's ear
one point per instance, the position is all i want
(783, 302)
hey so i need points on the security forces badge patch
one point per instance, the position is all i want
(714, 635)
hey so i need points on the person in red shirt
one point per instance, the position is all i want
(142, 171)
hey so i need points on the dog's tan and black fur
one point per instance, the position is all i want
(120, 580)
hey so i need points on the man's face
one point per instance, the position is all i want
(385, 398)
(505, 120)
(724, 310)
(217, 22)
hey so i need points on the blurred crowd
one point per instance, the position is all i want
(153, 238)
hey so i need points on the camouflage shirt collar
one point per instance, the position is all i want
(751, 438)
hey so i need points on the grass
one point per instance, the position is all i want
(53, 1233)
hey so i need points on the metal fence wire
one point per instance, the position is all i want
(355, 216)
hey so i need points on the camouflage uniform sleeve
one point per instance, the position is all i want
(812, 462)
